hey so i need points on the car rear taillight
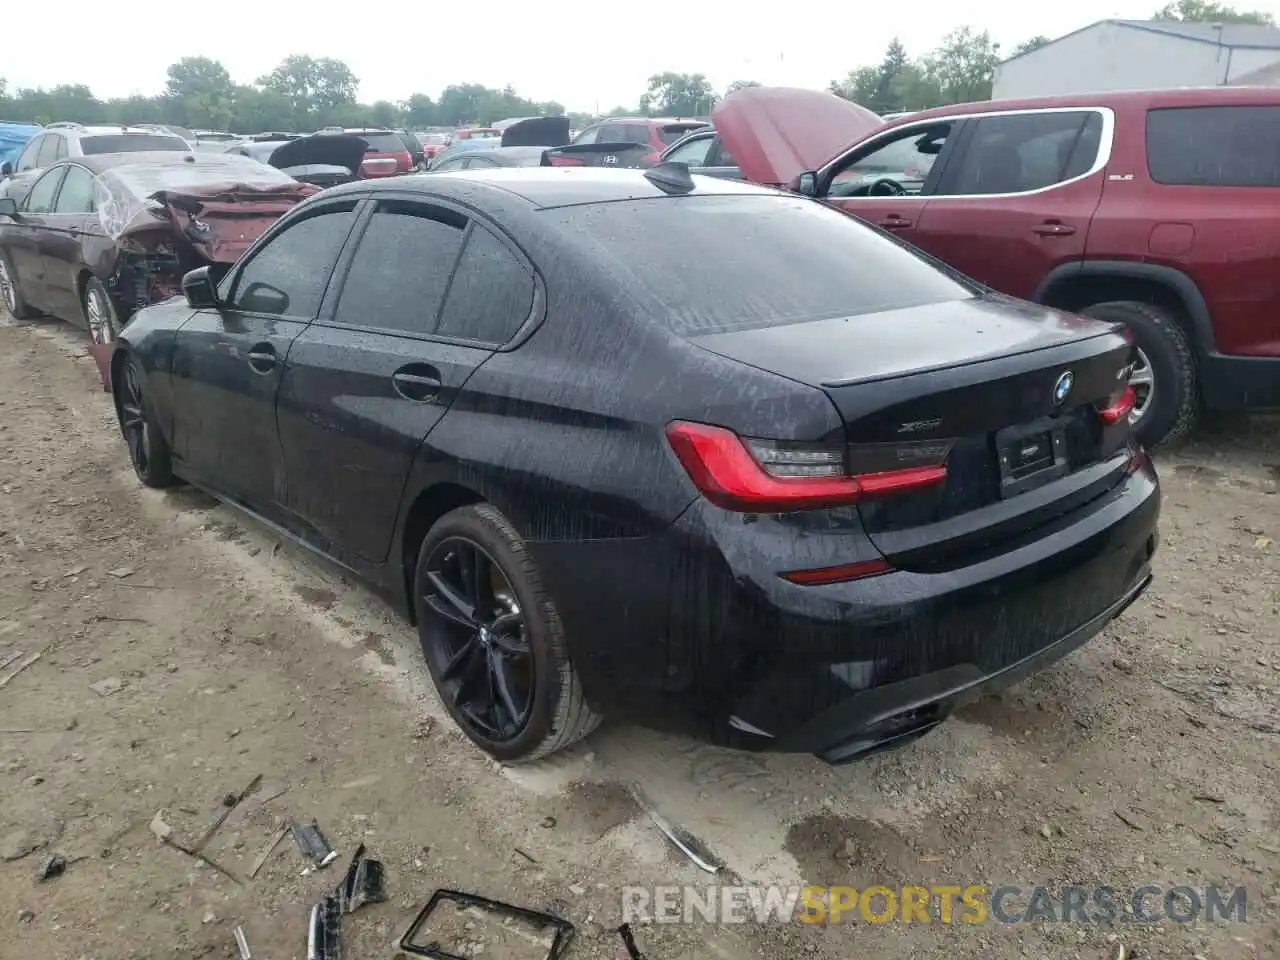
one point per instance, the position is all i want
(770, 476)
(651, 159)
(404, 161)
(566, 161)
(1118, 407)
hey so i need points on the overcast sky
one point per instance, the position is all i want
(583, 54)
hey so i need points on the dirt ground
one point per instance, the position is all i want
(183, 652)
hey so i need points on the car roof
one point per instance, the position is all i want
(1144, 99)
(547, 187)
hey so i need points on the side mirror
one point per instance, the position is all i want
(6, 169)
(199, 289)
(8, 207)
(806, 184)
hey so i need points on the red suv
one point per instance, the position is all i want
(1157, 209)
(622, 142)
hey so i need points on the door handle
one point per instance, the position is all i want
(262, 357)
(419, 383)
(1053, 228)
(894, 222)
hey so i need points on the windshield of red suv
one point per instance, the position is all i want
(130, 143)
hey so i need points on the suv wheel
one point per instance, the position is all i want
(1164, 373)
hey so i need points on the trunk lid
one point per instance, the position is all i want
(1005, 394)
(777, 133)
(339, 150)
(536, 132)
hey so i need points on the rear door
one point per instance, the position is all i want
(1018, 198)
(227, 362)
(60, 244)
(428, 295)
(887, 180)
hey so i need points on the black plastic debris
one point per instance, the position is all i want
(54, 866)
(563, 930)
(629, 942)
(324, 938)
(312, 843)
(365, 882)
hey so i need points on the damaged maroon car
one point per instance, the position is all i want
(98, 238)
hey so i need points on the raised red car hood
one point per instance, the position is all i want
(777, 133)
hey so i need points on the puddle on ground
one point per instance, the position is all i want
(317, 596)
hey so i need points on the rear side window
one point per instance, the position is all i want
(712, 264)
(1214, 146)
(673, 132)
(48, 151)
(383, 142)
(401, 269)
(491, 293)
(130, 143)
(1027, 151)
(287, 277)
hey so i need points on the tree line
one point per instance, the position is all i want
(304, 93)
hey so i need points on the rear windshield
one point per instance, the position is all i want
(719, 263)
(130, 143)
(382, 142)
(675, 131)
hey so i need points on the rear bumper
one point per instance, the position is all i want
(1231, 384)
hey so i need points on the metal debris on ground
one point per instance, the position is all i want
(312, 844)
(559, 929)
(230, 803)
(164, 833)
(266, 851)
(19, 668)
(685, 842)
(54, 866)
(242, 944)
(629, 942)
(323, 934)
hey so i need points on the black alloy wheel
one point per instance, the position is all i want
(493, 639)
(148, 451)
(486, 666)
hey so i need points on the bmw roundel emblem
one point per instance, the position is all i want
(1062, 389)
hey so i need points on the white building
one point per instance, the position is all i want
(1143, 55)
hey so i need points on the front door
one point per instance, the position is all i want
(428, 296)
(25, 248)
(1018, 198)
(888, 181)
(228, 362)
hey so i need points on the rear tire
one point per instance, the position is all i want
(11, 292)
(557, 714)
(100, 315)
(1172, 403)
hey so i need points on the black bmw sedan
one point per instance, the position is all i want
(681, 450)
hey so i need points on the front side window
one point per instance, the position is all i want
(1026, 151)
(1214, 146)
(401, 269)
(287, 277)
(491, 293)
(905, 161)
(77, 193)
(27, 160)
(694, 153)
(60, 152)
(40, 198)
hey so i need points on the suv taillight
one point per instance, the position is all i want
(768, 476)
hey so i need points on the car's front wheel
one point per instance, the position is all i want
(493, 640)
(10, 292)
(148, 449)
